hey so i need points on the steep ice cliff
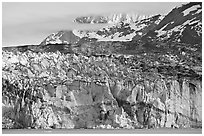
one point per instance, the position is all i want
(68, 91)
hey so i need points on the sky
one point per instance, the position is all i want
(30, 23)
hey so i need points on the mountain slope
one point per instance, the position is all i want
(122, 31)
(61, 37)
(182, 24)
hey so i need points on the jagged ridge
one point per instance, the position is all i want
(183, 24)
(111, 19)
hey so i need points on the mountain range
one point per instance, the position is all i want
(183, 24)
(110, 19)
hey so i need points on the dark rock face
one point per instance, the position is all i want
(178, 16)
(183, 24)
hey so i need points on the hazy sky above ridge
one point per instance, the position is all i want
(30, 23)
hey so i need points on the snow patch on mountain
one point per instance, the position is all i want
(188, 10)
(117, 37)
(159, 19)
(54, 38)
(78, 33)
(137, 27)
(183, 26)
(161, 31)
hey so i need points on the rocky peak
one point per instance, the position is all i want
(61, 37)
(110, 19)
(125, 17)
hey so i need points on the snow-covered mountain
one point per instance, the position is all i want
(121, 31)
(183, 24)
(61, 37)
(111, 19)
